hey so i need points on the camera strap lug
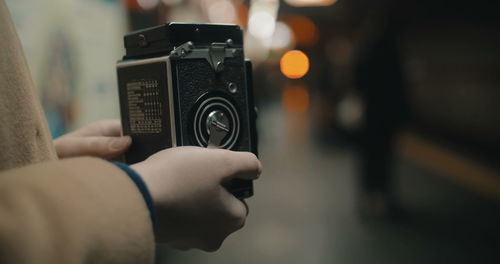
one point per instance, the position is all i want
(182, 51)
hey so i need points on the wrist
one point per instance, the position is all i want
(142, 187)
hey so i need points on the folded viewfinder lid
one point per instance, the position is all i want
(160, 40)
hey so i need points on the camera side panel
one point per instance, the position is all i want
(145, 106)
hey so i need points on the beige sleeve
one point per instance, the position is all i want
(24, 135)
(82, 210)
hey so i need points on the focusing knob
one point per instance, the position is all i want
(217, 128)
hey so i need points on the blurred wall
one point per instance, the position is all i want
(71, 47)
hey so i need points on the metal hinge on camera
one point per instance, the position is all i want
(214, 54)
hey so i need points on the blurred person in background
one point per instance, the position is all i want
(379, 77)
(426, 65)
(57, 206)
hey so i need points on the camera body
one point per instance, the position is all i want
(187, 85)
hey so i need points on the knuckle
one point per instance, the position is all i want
(225, 159)
(237, 217)
(253, 156)
(109, 145)
(226, 163)
(212, 246)
(93, 144)
(258, 166)
(240, 224)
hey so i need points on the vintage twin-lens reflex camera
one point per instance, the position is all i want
(187, 84)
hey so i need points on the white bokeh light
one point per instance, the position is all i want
(261, 25)
(221, 11)
(310, 2)
(171, 2)
(148, 4)
(282, 37)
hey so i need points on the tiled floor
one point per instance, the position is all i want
(303, 211)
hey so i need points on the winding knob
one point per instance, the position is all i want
(217, 128)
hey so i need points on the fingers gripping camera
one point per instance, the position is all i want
(187, 84)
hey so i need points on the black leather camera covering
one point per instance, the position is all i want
(203, 81)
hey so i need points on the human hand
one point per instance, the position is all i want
(101, 139)
(193, 209)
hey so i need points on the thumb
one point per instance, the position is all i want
(242, 165)
(97, 146)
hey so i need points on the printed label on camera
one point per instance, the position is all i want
(144, 106)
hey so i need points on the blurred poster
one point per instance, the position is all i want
(72, 47)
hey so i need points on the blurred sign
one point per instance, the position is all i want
(71, 47)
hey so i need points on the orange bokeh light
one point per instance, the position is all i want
(295, 99)
(132, 5)
(294, 64)
(242, 14)
(306, 33)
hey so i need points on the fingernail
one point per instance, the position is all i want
(120, 143)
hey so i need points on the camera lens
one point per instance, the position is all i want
(220, 115)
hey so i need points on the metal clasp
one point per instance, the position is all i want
(217, 53)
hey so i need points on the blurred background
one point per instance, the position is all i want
(379, 121)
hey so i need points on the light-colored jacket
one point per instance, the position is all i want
(81, 210)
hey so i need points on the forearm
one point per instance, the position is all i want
(73, 211)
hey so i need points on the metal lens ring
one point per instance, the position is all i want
(205, 108)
